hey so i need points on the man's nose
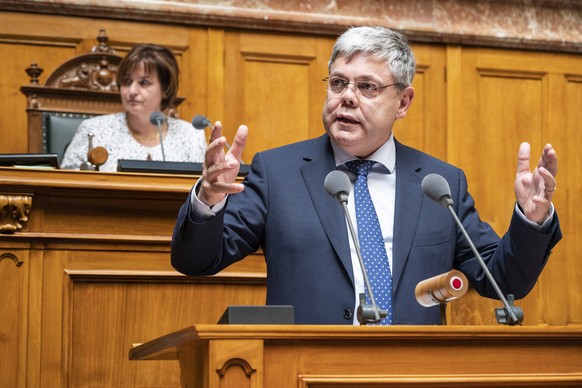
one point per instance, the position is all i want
(349, 95)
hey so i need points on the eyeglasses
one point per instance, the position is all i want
(337, 85)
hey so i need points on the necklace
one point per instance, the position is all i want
(145, 139)
(148, 139)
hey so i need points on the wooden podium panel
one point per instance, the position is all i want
(85, 273)
(291, 356)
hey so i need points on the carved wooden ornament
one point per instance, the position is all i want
(14, 210)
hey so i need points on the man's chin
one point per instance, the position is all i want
(346, 135)
(347, 141)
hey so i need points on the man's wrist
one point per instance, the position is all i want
(539, 226)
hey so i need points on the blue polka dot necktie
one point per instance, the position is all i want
(372, 245)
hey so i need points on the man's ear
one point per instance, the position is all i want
(406, 97)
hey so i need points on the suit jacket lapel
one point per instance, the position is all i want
(318, 164)
(409, 196)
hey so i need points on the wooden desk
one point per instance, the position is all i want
(345, 356)
(88, 274)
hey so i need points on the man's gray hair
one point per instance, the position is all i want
(383, 43)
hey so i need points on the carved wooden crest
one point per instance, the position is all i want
(96, 70)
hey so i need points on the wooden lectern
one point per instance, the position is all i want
(281, 356)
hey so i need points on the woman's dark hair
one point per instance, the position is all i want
(154, 58)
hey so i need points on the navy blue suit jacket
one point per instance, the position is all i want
(286, 210)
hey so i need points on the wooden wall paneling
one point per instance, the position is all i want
(506, 99)
(217, 88)
(13, 313)
(318, 88)
(111, 307)
(554, 291)
(424, 126)
(570, 135)
(501, 107)
(54, 323)
(129, 218)
(24, 39)
(100, 298)
(472, 309)
(269, 86)
(142, 308)
(454, 97)
(562, 294)
(33, 309)
(194, 74)
(22, 51)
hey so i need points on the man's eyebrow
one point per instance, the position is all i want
(363, 77)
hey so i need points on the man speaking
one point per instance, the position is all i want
(403, 237)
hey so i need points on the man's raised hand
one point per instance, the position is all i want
(534, 189)
(220, 169)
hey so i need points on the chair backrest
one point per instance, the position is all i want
(58, 130)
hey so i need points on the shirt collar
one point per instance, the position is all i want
(385, 155)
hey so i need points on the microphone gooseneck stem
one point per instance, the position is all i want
(484, 266)
(361, 261)
(161, 140)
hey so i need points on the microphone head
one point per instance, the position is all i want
(437, 188)
(200, 122)
(338, 185)
(157, 118)
(442, 288)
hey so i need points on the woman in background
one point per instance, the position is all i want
(148, 82)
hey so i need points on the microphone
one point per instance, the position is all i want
(157, 119)
(338, 185)
(435, 187)
(201, 122)
(442, 288)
